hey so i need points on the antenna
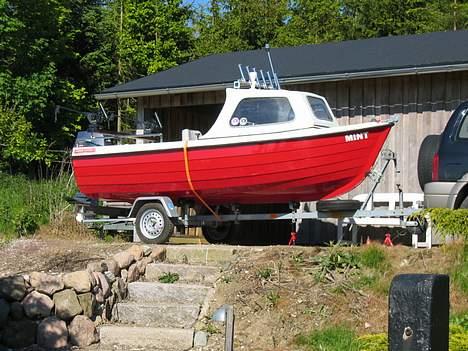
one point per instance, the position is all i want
(275, 77)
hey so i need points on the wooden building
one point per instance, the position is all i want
(422, 78)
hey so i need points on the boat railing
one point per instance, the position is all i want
(86, 139)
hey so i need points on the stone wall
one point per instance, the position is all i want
(57, 310)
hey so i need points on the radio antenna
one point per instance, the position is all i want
(275, 77)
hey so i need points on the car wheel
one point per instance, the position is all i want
(428, 149)
(152, 224)
(464, 203)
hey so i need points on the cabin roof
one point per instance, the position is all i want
(377, 57)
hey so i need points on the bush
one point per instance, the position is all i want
(448, 222)
(26, 204)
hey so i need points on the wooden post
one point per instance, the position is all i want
(418, 317)
(229, 333)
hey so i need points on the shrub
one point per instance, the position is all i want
(447, 221)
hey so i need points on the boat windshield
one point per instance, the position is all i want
(319, 109)
(253, 111)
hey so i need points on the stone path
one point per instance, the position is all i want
(162, 316)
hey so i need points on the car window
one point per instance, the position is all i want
(319, 109)
(252, 111)
(463, 133)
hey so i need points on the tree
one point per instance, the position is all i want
(312, 22)
(229, 25)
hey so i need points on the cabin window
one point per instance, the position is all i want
(319, 109)
(253, 111)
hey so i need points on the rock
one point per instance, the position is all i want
(124, 259)
(103, 284)
(52, 333)
(13, 288)
(119, 289)
(110, 277)
(92, 279)
(108, 305)
(82, 331)
(124, 274)
(112, 266)
(136, 251)
(46, 283)
(4, 312)
(146, 250)
(67, 305)
(142, 265)
(100, 296)
(96, 267)
(200, 339)
(79, 281)
(16, 311)
(133, 273)
(87, 302)
(158, 254)
(98, 321)
(37, 305)
(18, 334)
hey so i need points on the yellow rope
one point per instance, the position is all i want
(189, 180)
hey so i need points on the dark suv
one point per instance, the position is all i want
(443, 163)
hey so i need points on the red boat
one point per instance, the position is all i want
(267, 146)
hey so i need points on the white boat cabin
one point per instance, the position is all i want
(262, 111)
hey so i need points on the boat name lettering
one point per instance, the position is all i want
(356, 137)
(84, 150)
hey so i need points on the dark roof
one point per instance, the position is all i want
(312, 62)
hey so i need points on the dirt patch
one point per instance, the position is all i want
(277, 296)
(28, 255)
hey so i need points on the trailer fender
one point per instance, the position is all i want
(165, 201)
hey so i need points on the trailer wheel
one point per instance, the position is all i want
(338, 205)
(217, 233)
(152, 224)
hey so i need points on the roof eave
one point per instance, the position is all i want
(287, 81)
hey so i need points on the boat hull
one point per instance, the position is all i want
(276, 171)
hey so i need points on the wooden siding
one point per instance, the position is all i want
(424, 103)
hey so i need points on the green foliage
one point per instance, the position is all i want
(447, 221)
(169, 278)
(265, 273)
(329, 339)
(19, 143)
(341, 338)
(273, 298)
(373, 342)
(374, 257)
(458, 253)
(336, 259)
(26, 204)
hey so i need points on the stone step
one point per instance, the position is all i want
(123, 337)
(167, 293)
(200, 254)
(156, 315)
(187, 273)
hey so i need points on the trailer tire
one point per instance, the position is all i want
(428, 149)
(338, 205)
(218, 233)
(152, 224)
